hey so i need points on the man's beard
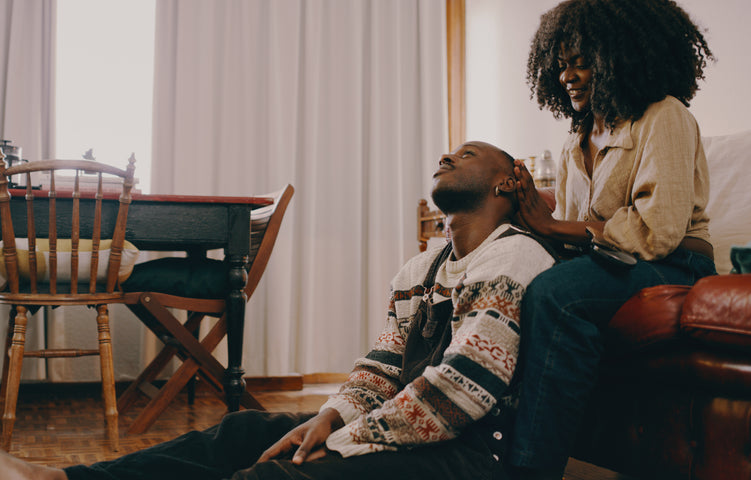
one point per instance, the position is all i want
(455, 200)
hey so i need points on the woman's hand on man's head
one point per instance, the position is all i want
(533, 210)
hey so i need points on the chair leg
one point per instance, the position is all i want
(192, 382)
(6, 352)
(153, 369)
(149, 374)
(164, 397)
(12, 381)
(184, 374)
(108, 376)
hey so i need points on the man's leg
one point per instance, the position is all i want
(13, 468)
(465, 458)
(231, 449)
(232, 445)
(563, 312)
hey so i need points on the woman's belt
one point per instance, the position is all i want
(697, 245)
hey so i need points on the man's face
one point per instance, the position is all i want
(464, 177)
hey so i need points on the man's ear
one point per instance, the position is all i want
(507, 185)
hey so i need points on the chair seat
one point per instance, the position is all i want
(213, 307)
(188, 277)
(60, 299)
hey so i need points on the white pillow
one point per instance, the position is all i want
(128, 259)
(729, 207)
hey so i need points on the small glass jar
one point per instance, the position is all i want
(544, 172)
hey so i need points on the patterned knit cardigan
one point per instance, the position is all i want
(486, 287)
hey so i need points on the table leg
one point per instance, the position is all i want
(234, 382)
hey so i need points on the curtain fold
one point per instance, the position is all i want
(344, 100)
(27, 107)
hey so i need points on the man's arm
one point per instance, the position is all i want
(306, 440)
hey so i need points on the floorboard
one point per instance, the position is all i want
(63, 425)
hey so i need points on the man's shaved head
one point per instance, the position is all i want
(469, 174)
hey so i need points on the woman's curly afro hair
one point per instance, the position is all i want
(639, 51)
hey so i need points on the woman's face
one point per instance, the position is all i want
(575, 77)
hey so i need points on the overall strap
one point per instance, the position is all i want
(433, 270)
(431, 330)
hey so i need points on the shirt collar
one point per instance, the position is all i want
(620, 136)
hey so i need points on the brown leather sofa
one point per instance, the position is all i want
(673, 399)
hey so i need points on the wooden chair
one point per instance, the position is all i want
(430, 224)
(33, 282)
(180, 339)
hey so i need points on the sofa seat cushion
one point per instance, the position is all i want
(717, 311)
(651, 317)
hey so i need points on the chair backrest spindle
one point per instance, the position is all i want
(96, 235)
(118, 237)
(31, 235)
(53, 234)
(75, 234)
(10, 255)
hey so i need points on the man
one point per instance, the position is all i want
(429, 401)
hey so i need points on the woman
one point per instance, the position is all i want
(633, 175)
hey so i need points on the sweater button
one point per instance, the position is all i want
(496, 458)
(497, 435)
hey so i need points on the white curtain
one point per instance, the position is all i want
(27, 60)
(345, 100)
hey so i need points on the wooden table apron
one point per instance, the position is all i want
(173, 223)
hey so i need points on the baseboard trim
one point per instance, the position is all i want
(282, 382)
(289, 382)
(324, 377)
(292, 381)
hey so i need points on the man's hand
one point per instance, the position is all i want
(309, 438)
(534, 212)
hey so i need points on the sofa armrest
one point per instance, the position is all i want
(651, 317)
(717, 311)
(548, 194)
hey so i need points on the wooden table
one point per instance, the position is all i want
(189, 223)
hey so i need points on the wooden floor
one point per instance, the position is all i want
(64, 425)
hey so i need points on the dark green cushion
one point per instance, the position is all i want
(185, 277)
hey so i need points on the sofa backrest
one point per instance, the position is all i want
(729, 207)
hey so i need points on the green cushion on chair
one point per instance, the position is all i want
(183, 277)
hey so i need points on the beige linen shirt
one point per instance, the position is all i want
(650, 183)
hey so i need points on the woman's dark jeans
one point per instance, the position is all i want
(563, 313)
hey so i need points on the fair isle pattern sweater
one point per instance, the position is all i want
(486, 287)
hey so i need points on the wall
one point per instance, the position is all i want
(499, 107)
(723, 104)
